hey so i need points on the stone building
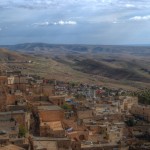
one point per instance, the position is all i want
(3, 80)
(51, 119)
(127, 103)
(11, 147)
(17, 82)
(21, 117)
(142, 111)
(3, 97)
(57, 100)
(46, 143)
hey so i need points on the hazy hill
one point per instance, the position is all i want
(42, 47)
(6, 55)
(109, 65)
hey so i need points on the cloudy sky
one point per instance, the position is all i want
(75, 21)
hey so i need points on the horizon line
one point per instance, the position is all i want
(75, 44)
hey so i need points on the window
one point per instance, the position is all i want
(13, 128)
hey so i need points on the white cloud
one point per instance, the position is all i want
(140, 18)
(79, 6)
(31, 4)
(61, 22)
(130, 6)
(114, 22)
(41, 24)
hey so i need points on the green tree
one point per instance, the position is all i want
(144, 97)
(131, 122)
(22, 131)
(66, 107)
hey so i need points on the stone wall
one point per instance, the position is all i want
(51, 115)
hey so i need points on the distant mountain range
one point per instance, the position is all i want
(109, 65)
(42, 47)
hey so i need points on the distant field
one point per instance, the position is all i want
(116, 66)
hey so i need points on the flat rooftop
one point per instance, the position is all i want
(57, 96)
(11, 112)
(35, 138)
(85, 146)
(52, 107)
(51, 145)
(11, 147)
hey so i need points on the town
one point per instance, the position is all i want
(42, 114)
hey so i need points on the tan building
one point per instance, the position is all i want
(3, 80)
(9, 129)
(86, 114)
(51, 118)
(57, 100)
(127, 103)
(78, 135)
(10, 99)
(114, 134)
(52, 129)
(44, 90)
(9, 133)
(50, 113)
(3, 97)
(21, 117)
(48, 90)
(46, 143)
(17, 82)
(141, 110)
(11, 147)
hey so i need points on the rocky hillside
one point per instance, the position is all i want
(8, 56)
(111, 65)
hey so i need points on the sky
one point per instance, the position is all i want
(102, 22)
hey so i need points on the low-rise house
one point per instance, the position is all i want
(114, 134)
(78, 135)
(3, 97)
(46, 143)
(3, 80)
(141, 111)
(57, 100)
(9, 128)
(85, 114)
(52, 129)
(11, 147)
(127, 103)
(18, 82)
(50, 113)
(12, 80)
(51, 119)
(103, 146)
(21, 117)
(10, 132)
